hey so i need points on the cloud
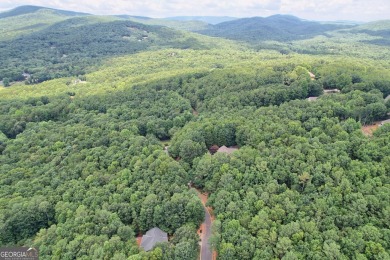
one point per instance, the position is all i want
(309, 9)
(338, 9)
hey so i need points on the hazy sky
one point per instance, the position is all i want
(358, 10)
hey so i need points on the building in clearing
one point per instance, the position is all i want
(228, 150)
(330, 91)
(312, 76)
(152, 237)
(312, 98)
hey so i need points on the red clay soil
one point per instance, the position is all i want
(204, 197)
(139, 238)
(368, 130)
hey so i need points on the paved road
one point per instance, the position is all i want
(206, 253)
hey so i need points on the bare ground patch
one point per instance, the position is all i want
(368, 130)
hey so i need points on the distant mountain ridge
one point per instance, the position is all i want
(48, 43)
(125, 16)
(27, 9)
(276, 27)
(206, 19)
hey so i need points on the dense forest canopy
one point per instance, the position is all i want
(83, 169)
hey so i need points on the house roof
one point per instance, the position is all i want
(311, 75)
(228, 150)
(152, 237)
(335, 90)
(387, 98)
(312, 98)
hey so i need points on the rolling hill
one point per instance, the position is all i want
(28, 9)
(276, 27)
(187, 25)
(46, 43)
(379, 29)
(205, 19)
(28, 19)
(68, 47)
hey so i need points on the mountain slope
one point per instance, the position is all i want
(28, 9)
(68, 47)
(379, 29)
(205, 19)
(277, 27)
(188, 25)
(375, 26)
(370, 40)
(28, 19)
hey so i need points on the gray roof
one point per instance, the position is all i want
(152, 237)
(335, 90)
(228, 150)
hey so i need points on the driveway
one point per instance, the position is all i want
(205, 251)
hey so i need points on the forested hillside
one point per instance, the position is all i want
(69, 47)
(29, 9)
(289, 34)
(205, 19)
(277, 27)
(13, 26)
(83, 170)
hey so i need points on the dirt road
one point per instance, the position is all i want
(206, 252)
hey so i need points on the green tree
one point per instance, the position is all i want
(6, 82)
(227, 251)
(189, 150)
(186, 250)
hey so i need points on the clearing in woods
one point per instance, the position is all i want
(368, 130)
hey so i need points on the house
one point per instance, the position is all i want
(330, 91)
(312, 98)
(26, 75)
(227, 150)
(384, 122)
(152, 237)
(387, 98)
(312, 76)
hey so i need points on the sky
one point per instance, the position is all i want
(322, 10)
